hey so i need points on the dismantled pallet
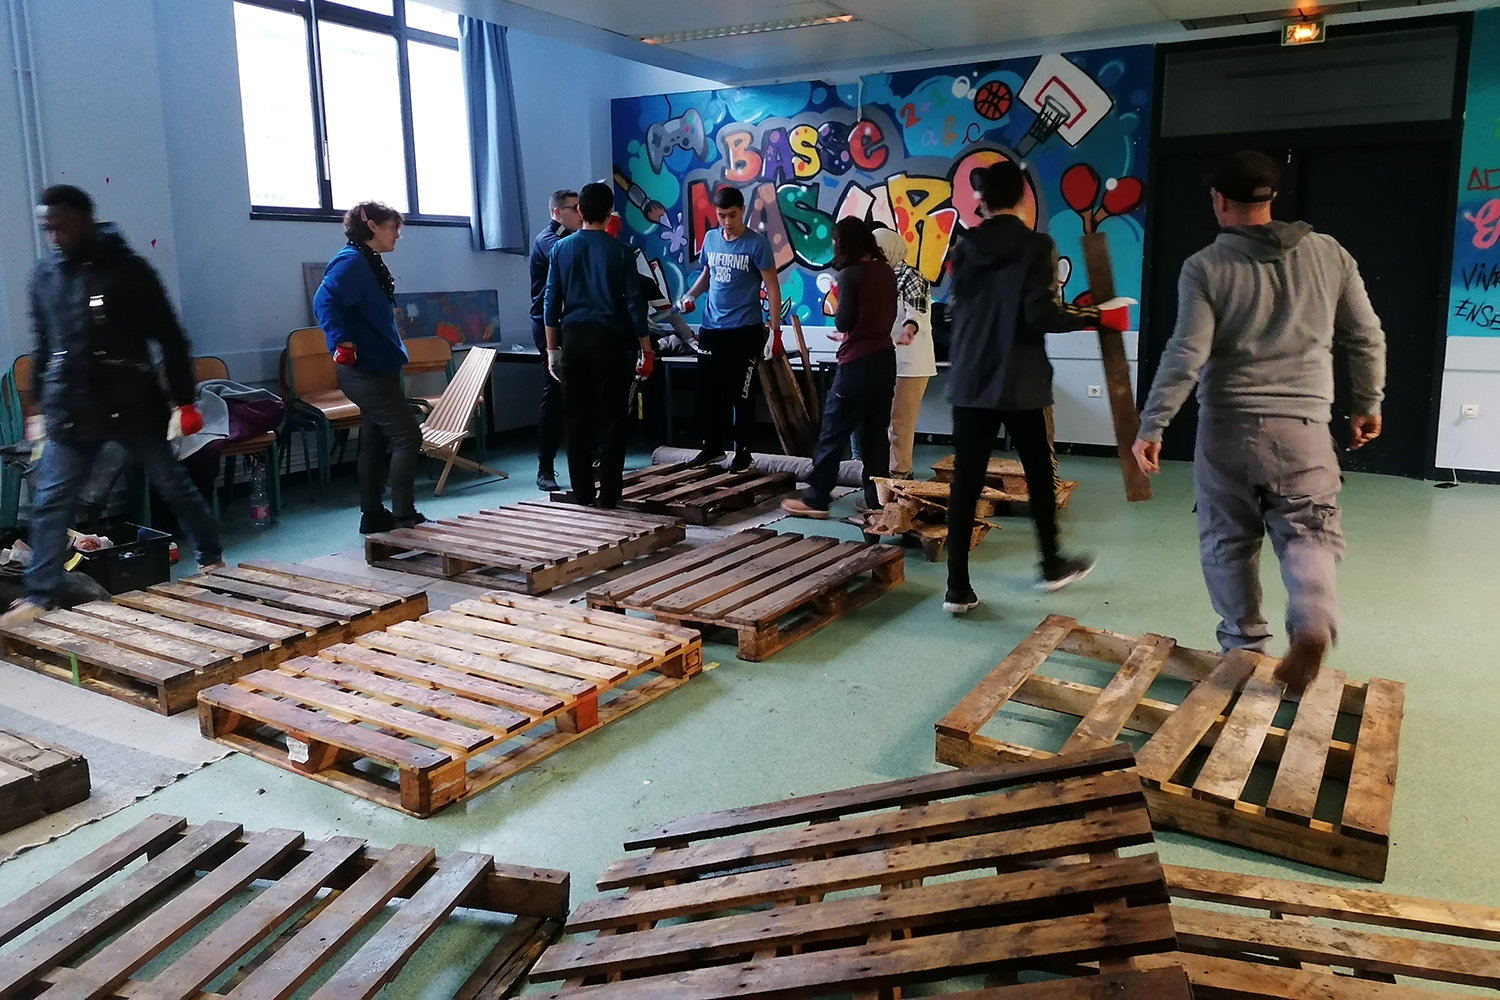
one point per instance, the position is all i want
(699, 494)
(881, 887)
(1300, 938)
(771, 588)
(435, 711)
(530, 547)
(308, 902)
(1006, 477)
(1324, 783)
(917, 513)
(37, 778)
(159, 647)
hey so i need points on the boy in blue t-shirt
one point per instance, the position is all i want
(735, 263)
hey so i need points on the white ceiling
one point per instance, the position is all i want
(897, 29)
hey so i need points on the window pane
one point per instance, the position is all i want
(441, 126)
(362, 102)
(378, 6)
(276, 96)
(434, 19)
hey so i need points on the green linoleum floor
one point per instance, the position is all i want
(857, 701)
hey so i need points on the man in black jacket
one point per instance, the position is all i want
(1004, 301)
(565, 220)
(96, 307)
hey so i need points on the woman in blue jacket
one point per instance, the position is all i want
(356, 307)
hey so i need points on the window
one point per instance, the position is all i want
(348, 101)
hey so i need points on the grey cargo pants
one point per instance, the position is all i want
(1253, 475)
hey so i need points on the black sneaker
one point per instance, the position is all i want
(706, 457)
(1064, 571)
(546, 481)
(960, 601)
(411, 521)
(376, 522)
(741, 461)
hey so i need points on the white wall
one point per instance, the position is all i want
(1471, 376)
(141, 107)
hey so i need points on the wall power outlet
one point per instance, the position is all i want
(1469, 411)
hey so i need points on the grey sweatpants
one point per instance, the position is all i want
(1277, 475)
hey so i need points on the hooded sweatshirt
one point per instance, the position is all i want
(1258, 313)
(1004, 302)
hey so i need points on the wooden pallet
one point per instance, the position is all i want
(159, 647)
(308, 901)
(436, 711)
(771, 588)
(877, 888)
(1339, 749)
(1007, 477)
(1286, 949)
(932, 538)
(37, 778)
(527, 547)
(698, 494)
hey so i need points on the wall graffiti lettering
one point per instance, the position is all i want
(1474, 287)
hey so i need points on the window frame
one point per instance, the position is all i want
(312, 12)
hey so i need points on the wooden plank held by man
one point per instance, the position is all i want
(1116, 368)
(789, 412)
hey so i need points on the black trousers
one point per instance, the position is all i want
(598, 368)
(390, 439)
(859, 402)
(725, 373)
(550, 422)
(974, 432)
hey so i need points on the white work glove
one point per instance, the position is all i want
(773, 344)
(36, 427)
(555, 363)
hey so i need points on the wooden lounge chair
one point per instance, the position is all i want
(447, 425)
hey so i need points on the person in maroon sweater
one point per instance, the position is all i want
(865, 384)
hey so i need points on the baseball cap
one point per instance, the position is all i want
(1247, 176)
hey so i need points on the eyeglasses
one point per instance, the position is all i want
(568, 208)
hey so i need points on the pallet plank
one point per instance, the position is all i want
(275, 597)
(1185, 728)
(738, 559)
(1300, 773)
(568, 655)
(92, 651)
(444, 704)
(1124, 691)
(444, 678)
(307, 571)
(312, 694)
(1372, 776)
(860, 558)
(223, 621)
(980, 704)
(1238, 747)
(626, 586)
(226, 642)
(160, 647)
(468, 652)
(599, 633)
(342, 593)
(281, 616)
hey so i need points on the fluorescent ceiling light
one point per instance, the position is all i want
(673, 37)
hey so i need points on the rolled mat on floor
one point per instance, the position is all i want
(850, 473)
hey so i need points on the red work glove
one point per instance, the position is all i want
(344, 354)
(646, 364)
(191, 420)
(1117, 318)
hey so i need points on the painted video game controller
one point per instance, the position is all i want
(683, 132)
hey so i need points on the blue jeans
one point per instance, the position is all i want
(60, 478)
(859, 403)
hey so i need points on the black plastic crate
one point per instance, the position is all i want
(140, 558)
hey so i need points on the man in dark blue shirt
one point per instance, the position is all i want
(565, 220)
(595, 314)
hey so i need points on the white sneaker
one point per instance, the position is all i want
(20, 613)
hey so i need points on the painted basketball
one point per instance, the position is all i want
(992, 100)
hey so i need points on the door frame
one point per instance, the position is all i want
(1450, 131)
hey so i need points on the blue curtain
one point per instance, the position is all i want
(499, 216)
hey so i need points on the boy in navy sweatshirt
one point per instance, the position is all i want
(595, 315)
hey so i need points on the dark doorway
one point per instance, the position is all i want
(1386, 203)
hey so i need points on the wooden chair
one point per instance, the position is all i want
(446, 427)
(313, 386)
(428, 356)
(267, 444)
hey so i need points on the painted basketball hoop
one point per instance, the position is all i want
(1067, 101)
(1048, 120)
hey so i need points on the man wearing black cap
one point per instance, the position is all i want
(1258, 313)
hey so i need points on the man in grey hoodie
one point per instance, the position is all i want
(1258, 313)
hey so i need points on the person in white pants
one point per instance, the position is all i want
(915, 360)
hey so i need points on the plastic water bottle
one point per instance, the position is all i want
(260, 494)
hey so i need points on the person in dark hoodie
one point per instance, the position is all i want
(1258, 313)
(565, 220)
(1004, 300)
(865, 383)
(356, 307)
(595, 314)
(96, 307)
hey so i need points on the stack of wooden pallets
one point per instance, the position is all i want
(876, 889)
(309, 902)
(432, 712)
(917, 512)
(1008, 478)
(772, 589)
(530, 547)
(159, 647)
(37, 778)
(699, 494)
(1338, 753)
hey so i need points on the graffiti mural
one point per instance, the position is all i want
(899, 149)
(1474, 297)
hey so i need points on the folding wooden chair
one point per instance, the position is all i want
(429, 356)
(447, 425)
